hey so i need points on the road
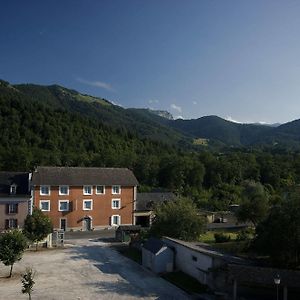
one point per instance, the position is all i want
(87, 269)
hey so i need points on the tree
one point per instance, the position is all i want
(28, 282)
(37, 226)
(224, 195)
(177, 219)
(279, 234)
(12, 246)
(255, 203)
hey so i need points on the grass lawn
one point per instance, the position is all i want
(232, 247)
(185, 282)
(209, 238)
(235, 248)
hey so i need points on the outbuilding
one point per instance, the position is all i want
(124, 233)
(157, 256)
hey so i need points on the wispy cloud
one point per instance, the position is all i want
(116, 103)
(195, 102)
(176, 107)
(153, 101)
(229, 118)
(99, 84)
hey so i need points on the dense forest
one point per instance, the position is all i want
(36, 132)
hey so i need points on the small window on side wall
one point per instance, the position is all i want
(116, 189)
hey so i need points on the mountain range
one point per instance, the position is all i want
(207, 131)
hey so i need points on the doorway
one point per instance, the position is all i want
(87, 224)
(63, 224)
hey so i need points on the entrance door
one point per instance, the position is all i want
(63, 224)
(87, 224)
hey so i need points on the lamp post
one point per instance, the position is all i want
(277, 282)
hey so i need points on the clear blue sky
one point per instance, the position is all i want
(237, 59)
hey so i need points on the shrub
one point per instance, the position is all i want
(221, 237)
(245, 235)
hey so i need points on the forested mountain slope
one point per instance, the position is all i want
(145, 125)
(42, 132)
(158, 125)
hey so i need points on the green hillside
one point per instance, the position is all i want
(145, 125)
(57, 130)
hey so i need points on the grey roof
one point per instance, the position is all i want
(147, 201)
(77, 176)
(205, 249)
(129, 228)
(20, 179)
(154, 245)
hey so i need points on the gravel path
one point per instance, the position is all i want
(86, 270)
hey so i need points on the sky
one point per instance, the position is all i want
(239, 60)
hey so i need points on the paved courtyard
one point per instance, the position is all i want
(87, 269)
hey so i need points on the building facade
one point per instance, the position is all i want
(146, 203)
(15, 199)
(85, 198)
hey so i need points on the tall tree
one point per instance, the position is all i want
(178, 219)
(12, 246)
(279, 234)
(255, 203)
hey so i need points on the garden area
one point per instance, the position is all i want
(235, 242)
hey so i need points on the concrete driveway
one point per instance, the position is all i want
(86, 270)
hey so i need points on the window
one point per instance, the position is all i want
(45, 190)
(63, 190)
(63, 205)
(87, 190)
(100, 189)
(87, 204)
(115, 203)
(116, 189)
(13, 208)
(45, 205)
(11, 223)
(115, 220)
(194, 258)
(13, 189)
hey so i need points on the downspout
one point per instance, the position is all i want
(31, 190)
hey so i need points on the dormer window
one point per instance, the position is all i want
(13, 189)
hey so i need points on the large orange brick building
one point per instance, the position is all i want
(85, 198)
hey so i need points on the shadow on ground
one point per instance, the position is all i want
(123, 276)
